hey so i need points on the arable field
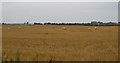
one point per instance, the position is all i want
(0, 42)
(60, 42)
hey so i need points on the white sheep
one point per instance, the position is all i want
(63, 28)
(95, 28)
(89, 28)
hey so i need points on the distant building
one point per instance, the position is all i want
(96, 23)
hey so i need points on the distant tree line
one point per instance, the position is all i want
(93, 23)
(87, 24)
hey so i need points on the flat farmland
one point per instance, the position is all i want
(60, 42)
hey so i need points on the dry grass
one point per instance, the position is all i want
(76, 43)
(0, 42)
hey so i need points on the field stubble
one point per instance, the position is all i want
(75, 43)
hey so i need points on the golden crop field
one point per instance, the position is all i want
(0, 42)
(74, 43)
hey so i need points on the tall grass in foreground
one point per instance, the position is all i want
(16, 59)
(4, 57)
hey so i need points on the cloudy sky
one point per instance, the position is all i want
(19, 12)
(0, 12)
(60, 0)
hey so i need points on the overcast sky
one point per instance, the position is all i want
(0, 12)
(60, 12)
(60, 0)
